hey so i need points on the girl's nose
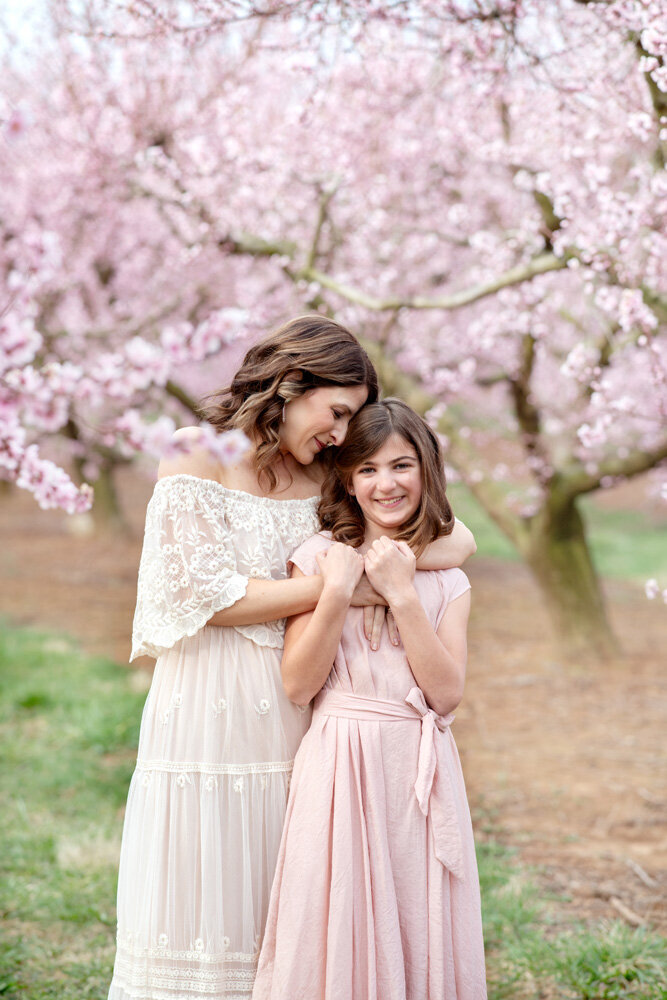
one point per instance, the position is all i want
(385, 480)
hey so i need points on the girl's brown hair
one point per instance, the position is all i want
(305, 353)
(340, 513)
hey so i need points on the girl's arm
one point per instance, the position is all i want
(311, 639)
(449, 551)
(437, 659)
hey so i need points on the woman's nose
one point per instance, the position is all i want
(338, 432)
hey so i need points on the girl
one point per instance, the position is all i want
(376, 894)
(218, 735)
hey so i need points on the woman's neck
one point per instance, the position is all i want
(293, 481)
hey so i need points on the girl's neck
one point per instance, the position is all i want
(372, 534)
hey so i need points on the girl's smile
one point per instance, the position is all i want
(388, 487)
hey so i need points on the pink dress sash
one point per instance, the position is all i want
(435, 784)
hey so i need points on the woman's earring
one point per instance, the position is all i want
(284, 405)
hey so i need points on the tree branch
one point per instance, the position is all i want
(183, 397)
(541, 264)
(578, 481)
(527, 414)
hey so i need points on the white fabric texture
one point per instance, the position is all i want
(218, 737)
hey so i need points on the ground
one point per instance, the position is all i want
(563, 762)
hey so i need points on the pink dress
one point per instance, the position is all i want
(376, 894)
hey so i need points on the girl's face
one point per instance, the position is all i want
(318, 419)
(388, 487)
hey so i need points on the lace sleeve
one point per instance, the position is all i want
(188, 567)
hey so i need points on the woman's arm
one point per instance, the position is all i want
(270, 600)
(264, 600)
(311, 639)
(449, 551)
(437, 659)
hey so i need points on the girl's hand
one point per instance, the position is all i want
(390, 567)
(341, 567)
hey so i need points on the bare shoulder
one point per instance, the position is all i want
(196, 461)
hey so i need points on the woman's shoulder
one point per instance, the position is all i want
(189, 457)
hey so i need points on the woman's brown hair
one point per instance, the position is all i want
(305, 353)
(340, 513)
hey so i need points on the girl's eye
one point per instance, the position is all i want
(402, 465)
(337, 414)
(366, 468)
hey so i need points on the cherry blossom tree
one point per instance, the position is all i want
(478, 189)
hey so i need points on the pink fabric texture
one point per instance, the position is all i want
(376, 895)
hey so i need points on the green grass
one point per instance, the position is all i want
(626, 544)
(68, 731)
(529, 958)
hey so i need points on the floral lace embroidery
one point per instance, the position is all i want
(202, 543)
(263, 707)
(176, 702)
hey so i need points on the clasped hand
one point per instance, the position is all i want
(390, 567)
(389, 570)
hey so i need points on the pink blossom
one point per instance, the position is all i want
(228, 447)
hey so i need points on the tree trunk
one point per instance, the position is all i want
(106, 510)
(556, 549)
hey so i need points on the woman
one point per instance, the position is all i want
(218, 735)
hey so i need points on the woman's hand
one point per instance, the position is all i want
(365, 595)
(375, 613)
(390, 567)
(341, 568)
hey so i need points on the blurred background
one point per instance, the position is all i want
(477, 189)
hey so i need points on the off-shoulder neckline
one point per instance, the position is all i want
(232, 492)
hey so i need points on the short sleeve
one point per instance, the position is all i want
(453, 583)
(304, 556)
(188, 566)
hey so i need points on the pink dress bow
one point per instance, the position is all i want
(434, 787)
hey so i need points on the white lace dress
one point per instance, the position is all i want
(218, 736)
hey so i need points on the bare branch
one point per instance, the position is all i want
(183, 397)
(542, 264)
(578, 481)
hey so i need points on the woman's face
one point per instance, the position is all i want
(318, 419)
(388, 487)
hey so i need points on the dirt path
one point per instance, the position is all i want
(565, 764)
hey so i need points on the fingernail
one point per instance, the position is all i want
(374, 645)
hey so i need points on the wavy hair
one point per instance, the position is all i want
(305, 353)
(340, 512)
